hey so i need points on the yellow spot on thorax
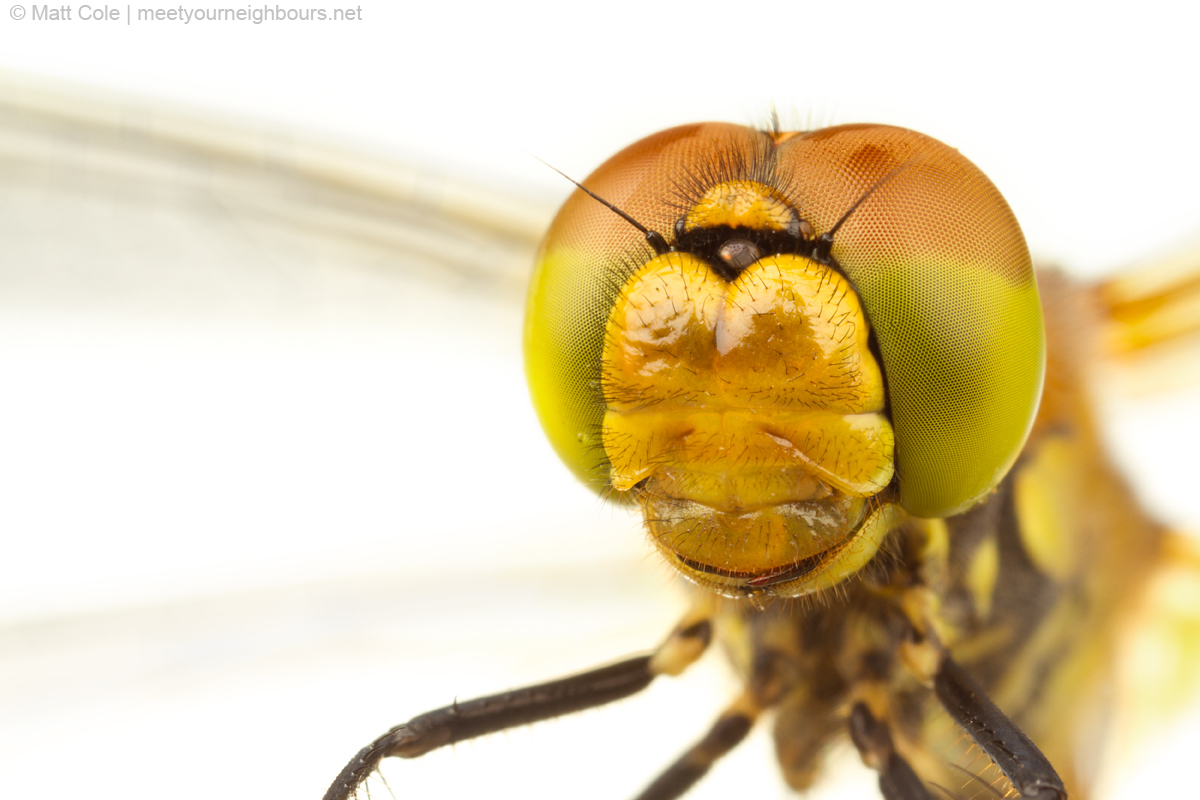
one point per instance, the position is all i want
(1048, 490)
(981, 576)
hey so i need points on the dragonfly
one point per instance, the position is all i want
(328, 212)
(726, 377)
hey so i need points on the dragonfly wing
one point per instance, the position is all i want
(176, 207)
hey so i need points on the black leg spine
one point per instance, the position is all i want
(1030, 772)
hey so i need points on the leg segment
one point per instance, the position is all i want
(724, 735)
(871, 736)
(461, 721)
(769, 680)
(1018, 758)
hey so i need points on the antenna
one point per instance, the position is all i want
(654, 238)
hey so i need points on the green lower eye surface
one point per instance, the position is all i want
(964, 367)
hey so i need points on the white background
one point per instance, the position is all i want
(217, 534)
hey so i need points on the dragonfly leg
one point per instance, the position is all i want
(769, 681)
(897, 780)
(472, 718)
(1011, 750)
(725, 734)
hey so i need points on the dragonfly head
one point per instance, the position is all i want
(842, 328)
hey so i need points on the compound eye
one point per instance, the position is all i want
(944, 273)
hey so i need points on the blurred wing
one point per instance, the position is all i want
(217, 204)
(203, 319)
(1156, 306)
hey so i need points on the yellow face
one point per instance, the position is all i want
(824, 331)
